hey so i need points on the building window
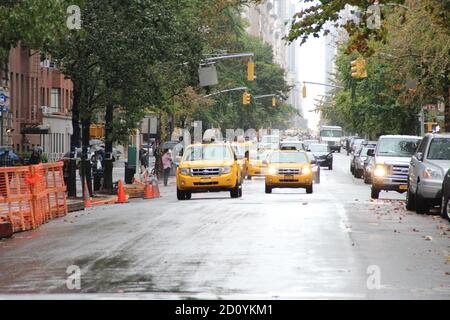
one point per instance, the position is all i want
(55, 99)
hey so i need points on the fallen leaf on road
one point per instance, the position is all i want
(428, 238)
(447, 273)
(415, 230)
(305, 203)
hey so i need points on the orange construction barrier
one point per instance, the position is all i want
(56, 189)
(148, 192)
(32, 195)
(16, 199)
(121, 196)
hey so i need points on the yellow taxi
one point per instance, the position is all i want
(289, 169)
(209, 168)
(257, 166)
(243, 148)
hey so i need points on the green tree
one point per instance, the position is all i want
(29, 22)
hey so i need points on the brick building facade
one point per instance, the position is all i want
(40, 102)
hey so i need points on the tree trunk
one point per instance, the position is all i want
(109, 165)
(86, 170)
(74, 142)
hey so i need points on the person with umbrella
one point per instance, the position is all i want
(35, 157)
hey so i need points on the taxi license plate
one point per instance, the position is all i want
(288, 177)
(404, 187)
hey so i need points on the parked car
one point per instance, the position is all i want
(428, 167)
(308, 142)
(390, 163)
(359, 160)
(269, 142)
(356, 143)
(322, 155)
(292, 145)
(445, 198)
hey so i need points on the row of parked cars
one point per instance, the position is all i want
(419, 167)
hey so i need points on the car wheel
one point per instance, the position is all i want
(366, 179)
(309, 189)
(249, 177)
(188, 195)
(268, 189)
(181, 195)
(410, 200)
(240, 191)
(422, 205)
(374, 193)
(330, 167)
(445, 210)
(234, 193)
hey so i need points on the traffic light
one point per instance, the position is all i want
(274, 102)
(304, 91)
(359, 68)
(250, 70)
(246, 98)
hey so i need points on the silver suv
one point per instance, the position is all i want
(390, 163)
(426, 175)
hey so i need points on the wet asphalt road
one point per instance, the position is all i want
(286, 245)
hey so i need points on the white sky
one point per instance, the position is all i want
(311, 67)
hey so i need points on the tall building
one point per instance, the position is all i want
(270, 21)
(40, 102)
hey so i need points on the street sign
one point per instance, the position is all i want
(3, 98)
(208, 75)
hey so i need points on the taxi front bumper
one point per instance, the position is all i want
(295, 181)
(205, 184)
(256, 171)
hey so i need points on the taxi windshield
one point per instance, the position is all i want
(211, 152)
(288, 157)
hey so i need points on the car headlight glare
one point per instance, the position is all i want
(380, 171)
(306, 171)
(226, 170)
(185, 171)
(272, 170)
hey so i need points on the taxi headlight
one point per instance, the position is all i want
(185, 171)
(272, 171)
(306, 171)
(380, 171)
(226, 170)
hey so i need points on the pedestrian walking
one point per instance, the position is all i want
(167, 165)
(35, 157)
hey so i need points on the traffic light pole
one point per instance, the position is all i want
(229, 56)
(323, 84)
(225, 91)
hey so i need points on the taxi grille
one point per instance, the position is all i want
(205, 172)
(289, 172)
(213, 183)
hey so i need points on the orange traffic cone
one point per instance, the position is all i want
(121, 196)
(156, 193)
(86, 196)
(148, 192)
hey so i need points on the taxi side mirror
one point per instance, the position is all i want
(313, 161)
(370, 152)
